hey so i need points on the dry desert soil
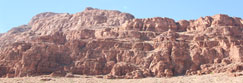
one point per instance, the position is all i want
(210, 78)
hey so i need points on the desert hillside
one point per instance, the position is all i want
(118, 45)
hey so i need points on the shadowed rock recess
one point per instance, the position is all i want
(117, 45)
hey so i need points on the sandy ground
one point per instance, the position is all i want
(211, 78)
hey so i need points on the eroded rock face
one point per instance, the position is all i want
(212, 21)
(156, 24)
(89, 18)
(117, 45)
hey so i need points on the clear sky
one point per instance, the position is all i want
(17, 12)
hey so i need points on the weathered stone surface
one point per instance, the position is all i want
(157, 24)
(122, 68)
(58, 74)
(117, 45)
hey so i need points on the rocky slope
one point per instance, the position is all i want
(117, 45)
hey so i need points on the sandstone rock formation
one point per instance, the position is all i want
(115, 44)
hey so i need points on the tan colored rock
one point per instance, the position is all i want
(109, 76)
(69, 75)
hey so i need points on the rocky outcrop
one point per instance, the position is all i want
(117, 45)
(157, 24)
(90, 18)
(212, 21)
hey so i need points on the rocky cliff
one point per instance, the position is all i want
(117, 45)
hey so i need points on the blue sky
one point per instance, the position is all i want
(17, 12)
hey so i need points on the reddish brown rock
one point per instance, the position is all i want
(117, 45)
(157, 24)
(122, 68)
(58, 74)
(168, 73)
(183, 25)
(142, 47)
(236, 53)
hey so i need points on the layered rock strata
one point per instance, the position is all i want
(118, 45)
